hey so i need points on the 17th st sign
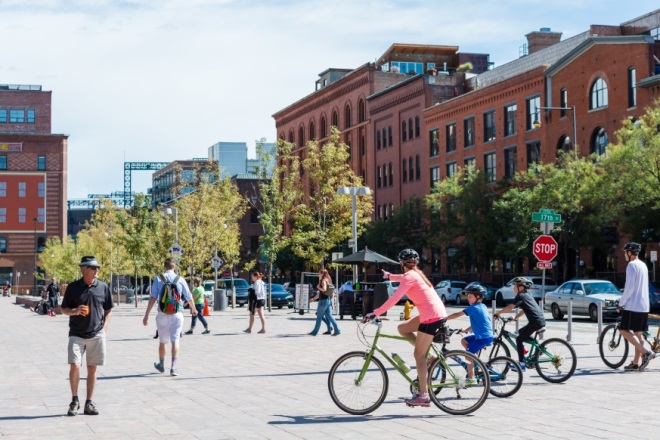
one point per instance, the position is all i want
(545, 248)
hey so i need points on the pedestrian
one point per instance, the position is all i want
(169, 325)
(324, 294)
(198, 298)
(256, 302)
(634, 306)
(53, 293)
(6, 289)
(530, 308)
(88, 304)
(422, 328)
(347, 299)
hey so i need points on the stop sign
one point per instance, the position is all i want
(545, 248)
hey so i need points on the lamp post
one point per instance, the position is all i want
(36, 249)
(253, 199)
(537, 123)
(354, 191)
(176, 249)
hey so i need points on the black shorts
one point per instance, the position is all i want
(256, 304)
(634, 321)
(431, 328)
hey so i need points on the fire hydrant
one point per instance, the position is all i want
(407, 308)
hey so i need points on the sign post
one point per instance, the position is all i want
(545, 247)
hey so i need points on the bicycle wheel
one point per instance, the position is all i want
(499, 348)
(506, 376)
(448, 387)
(613, 347)
(349, 395)
(560, 364)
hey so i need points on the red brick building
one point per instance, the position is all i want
(33, 172)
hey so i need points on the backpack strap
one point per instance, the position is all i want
(161, 276)
(176, 279)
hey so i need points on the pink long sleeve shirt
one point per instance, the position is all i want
(426, 300)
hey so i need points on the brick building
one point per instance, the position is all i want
(33, 188)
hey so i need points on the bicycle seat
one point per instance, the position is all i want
(539, 332)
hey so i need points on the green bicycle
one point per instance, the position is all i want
(358, 381)
(554, 359)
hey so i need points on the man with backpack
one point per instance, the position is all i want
(169, 290)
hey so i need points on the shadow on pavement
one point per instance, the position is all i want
(294, 420)
(32, 417)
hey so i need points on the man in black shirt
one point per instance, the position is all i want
(88, 303)
(53, 292)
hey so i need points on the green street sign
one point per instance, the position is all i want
(546, 215)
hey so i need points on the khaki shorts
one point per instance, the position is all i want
(93, 347)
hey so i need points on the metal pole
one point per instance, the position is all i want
(355, 245)
(36, 248)
(600, 320)
(574, 133)
(570, 320)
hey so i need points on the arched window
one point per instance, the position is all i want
(291, 138)
(391, 173)
(378, 139)
(598, 97)
(379, 179)
(564, 144)
(384, 175)
(347, 116)
(301, 137)
(418, 169)
(405, 171)
(411, 171)
(362, 111)
(384, 138)
(599, 141)
(3, 244)
(417, 126)
(282, 136)
(335, 119)
(324, 127)
(410, 128)
(312, 131)
(404, 131)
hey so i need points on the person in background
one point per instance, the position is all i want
(53, 296)
(324, 309)
(346, 299)
(256, 304)
(198, 298)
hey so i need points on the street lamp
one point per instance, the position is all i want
(174, 211)
(36, 249)
(354, 191)
(537, 123)
(253, 199)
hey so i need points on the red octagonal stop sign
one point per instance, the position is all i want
(545, 248)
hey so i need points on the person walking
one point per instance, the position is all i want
(198, 298)
(346, 299)
(634, 306)
(169, 325)
(324, 309)
(256, 302)
(53, 293)
(88, 304)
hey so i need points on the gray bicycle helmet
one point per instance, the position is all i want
(476, 290)
(522, 281)
(409, 257)
(633, 247)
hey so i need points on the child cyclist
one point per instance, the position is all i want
(531, 310)
(480, 324)
(432, 316)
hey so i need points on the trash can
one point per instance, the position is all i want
(130, 296)
(220, 300)
(380, 295)
(367, 302)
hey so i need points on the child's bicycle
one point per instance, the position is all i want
(554, 359)
(614, 348)
(358, 381)
(506, 376)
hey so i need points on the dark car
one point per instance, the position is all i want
(654, 294)
(491, 288)
(280, 297)
(241, 286)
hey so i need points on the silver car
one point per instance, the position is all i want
(447, 290)
(505, 294)
(585, 294)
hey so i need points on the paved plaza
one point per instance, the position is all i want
(274, 386)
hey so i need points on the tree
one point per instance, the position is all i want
(321, 218)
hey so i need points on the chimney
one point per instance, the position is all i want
(541, 39)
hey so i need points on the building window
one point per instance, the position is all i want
(379, 180)
(362, 111)
(533, 153)
(407, 67)
(404, 131)
(404, 170)
(563, 102)
(378, 139)
(598, 96)
(42, 189)
(3, 162)
(434, 142)
(599, 142)
(3, 115)
(632, 87)
(384, 176)
(312, 131)
(301, 137)
(380, 211)
(410, 128)
(489, 167)
(3, 189)
(21, 215)
(489, 126)
(324, 127)
(3, 215)
(451, 169)
(417, 127)
(510, 119)
(291, 139)
(411, 171)
(469, 162)
(22, 189)
(41, 163)
(16, 116)
(3, 240)
(384, 138)
(533, 111)
(418, 170)
(391, 174)
(41, 216)
(450, 132)
(30, 116)
(389, 136)
(347, 117)
(510, 162)
(468, 132)
(435, 176)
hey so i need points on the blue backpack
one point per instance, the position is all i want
(169, 301)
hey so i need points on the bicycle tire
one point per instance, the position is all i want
(448, 375)
(613, 347)
(562, 355)
(506, 376)
(353, 398)
(499, 348)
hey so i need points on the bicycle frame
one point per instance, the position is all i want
(532, 357)
(655, 345)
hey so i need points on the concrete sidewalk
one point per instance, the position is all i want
(274, 386)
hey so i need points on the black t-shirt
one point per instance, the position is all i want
(97, 297)
(531, 308)
(53, 290)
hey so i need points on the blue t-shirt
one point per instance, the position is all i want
(482, 326)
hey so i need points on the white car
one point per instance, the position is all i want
(391, 288)
(447, 290)
(585, 294)
(505, 294)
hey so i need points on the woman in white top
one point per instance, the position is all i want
(257, 301)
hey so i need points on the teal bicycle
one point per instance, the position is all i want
(358, 381)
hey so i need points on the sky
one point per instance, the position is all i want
(163, 80)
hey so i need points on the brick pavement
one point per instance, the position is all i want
(274, 386)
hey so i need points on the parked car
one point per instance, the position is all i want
(586, 294)
(654, 294)
(491, 288)
(208, 291)
(242, 287)
(447, 290)
(280, 297)
(391, 288)
(505, 294)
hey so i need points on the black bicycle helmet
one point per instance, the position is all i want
(476, 290)
(633, 247)
(522, 281)
(409, 257)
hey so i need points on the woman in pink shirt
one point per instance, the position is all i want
(432, 316)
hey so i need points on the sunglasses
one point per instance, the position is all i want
(93, 267)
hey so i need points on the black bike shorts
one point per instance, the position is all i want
(431, 328)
